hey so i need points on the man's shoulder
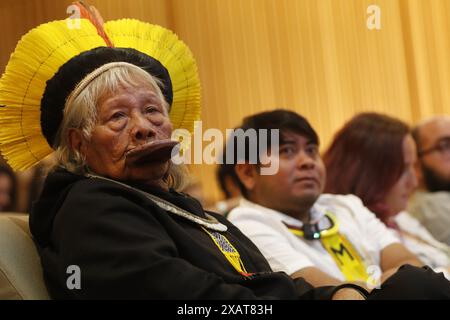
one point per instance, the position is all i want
(97, 188)
(256, 218)
(329, 202)
(339, 200)
(431, 196)
(345, 207)
(425, 204)
(245, 210)
(96, 184)
(104, 197)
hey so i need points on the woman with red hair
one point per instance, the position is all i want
(373, 157)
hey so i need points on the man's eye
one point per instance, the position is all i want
(444, 145)
(117, 115)
(287, 150)
(151, 109)
(312, 150)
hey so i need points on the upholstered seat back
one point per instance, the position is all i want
(20, 267)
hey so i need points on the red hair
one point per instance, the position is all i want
(366, 159)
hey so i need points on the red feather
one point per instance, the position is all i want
(93, 15)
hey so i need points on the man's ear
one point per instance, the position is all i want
(247, 174)
(76, 140)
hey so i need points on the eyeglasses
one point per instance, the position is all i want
(442, 146)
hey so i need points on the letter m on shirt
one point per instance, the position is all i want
(340, 252)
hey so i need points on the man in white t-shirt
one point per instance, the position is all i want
(326, 239)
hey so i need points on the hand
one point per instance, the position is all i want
(348, 294)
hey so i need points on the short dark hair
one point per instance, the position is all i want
(366, 158)
(281, 119)
(223, 171)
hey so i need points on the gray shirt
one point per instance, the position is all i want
(432, 209)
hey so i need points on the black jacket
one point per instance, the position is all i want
(128, 247)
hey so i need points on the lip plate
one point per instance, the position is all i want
(155, 151)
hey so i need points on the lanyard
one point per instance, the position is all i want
(227, 249)
(209, 222)
(345, 256)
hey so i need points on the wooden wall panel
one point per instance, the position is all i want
(314, 57)
(19, 16)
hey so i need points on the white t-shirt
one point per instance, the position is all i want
(289, 253)
(420, 242)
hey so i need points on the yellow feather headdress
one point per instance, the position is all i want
(44, 50)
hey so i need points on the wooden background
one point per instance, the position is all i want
(313, 56)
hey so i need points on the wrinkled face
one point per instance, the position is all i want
(131, 117)
(397, 198)
(299, 180)
(435, 165)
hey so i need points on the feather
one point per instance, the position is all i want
(37, 57)
(43, 50)
(93, 15)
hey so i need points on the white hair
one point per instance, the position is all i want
(80, 112)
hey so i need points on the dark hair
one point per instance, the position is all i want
(283, 120)
(224, 171)
(366, 158)
(5, 170)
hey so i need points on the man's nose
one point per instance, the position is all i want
(304, 161)
(142, 129)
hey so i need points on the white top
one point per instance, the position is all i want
(289, 253)
(420, 242)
